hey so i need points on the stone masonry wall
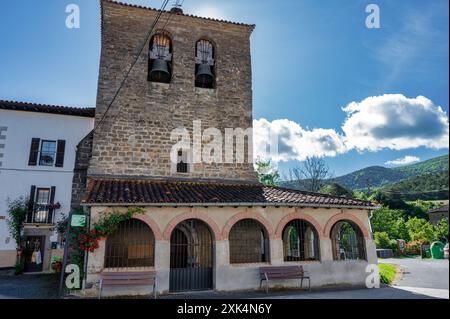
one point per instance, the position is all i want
(134, 140)
(82, 159)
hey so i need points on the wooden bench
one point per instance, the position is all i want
(281, 273)
(115, 279)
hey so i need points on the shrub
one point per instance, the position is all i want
(18, 268)
(387, 273)
(421, 230)
(382, 241)
(414, 247)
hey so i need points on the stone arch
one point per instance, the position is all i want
(297, 215)
(192, 215)
(150, 223)
(342, 217)
(247, 215)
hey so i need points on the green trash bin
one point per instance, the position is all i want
(437, 250)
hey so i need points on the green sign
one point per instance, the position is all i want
(78, 221)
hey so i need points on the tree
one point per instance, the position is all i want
(441, 230)
(382, 241)
(390, 221)
(17, 211)
(421, 230)
(311, 173)
(336, 190)
(267, 173)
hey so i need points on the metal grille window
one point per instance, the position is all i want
(347, 241)
(42, 209)
(48, 153)
(300, 241)
(249, 242)
(191, 257)
(131, 245)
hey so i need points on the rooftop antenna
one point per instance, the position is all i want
(177, 7)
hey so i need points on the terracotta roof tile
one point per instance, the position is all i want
(44, 108)
(152, 192)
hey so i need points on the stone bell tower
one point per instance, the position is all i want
(192, 70)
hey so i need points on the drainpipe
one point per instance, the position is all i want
(370, 223)
(86, 211)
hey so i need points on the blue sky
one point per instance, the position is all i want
(324, 59)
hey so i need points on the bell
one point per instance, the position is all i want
(160, 71)
(204, 75)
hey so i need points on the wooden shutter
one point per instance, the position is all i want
(31, 204)
(52, 201)
(34, 151)
(60, 153)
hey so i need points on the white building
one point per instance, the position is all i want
(37, 156)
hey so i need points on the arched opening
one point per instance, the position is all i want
(347, 241)
(131, 245)
(160, 58)
(191, 256)
(205, 73)
(300, 241)
(249, 242)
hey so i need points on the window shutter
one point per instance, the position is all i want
(31, 204)
(52, 201)
(60, 150)
(34, 151)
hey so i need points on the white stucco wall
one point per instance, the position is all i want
(16, 177)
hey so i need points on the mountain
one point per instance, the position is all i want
(433, 165)
(379, 176)
(429, 186)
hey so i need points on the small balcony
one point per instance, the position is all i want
(42, 214)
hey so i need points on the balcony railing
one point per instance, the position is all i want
(42, 214)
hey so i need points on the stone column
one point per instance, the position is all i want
(326, 253)
(276, 251)
(162, 265)
(221, 263)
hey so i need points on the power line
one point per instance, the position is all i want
(162, 31)
(161, 10)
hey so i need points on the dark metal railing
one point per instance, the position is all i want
(347, 242)
(132, 245)
(300, 241)
(249, 243)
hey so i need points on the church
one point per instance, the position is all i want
(207, 225)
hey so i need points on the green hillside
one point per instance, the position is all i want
(381, 177)
(430, 186)
(433, 165)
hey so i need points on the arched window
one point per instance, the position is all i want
(160, 59)
(300, 241)
(131, 245)
(249, 242)
(205, 75)
(347, 241)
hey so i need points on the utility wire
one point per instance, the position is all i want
(161, 10)
(162, 31)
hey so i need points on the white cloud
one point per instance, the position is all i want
(393, 121)
(390, 121)
(403, 161)
(294, 142)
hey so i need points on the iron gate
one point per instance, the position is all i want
(191, 257)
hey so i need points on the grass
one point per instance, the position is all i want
(387, 273)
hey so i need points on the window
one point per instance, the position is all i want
(48, 153)
(160, 59)
(204, 65)
(42, 202)
(347, 241)
(182, 162)
(248, 242)
(300, 241)
(131, 245)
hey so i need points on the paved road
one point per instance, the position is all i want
(427, 273)
(422, 279)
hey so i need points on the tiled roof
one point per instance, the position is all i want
(183, 193)
(183, 14)
(442, 209)
(43, 108)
